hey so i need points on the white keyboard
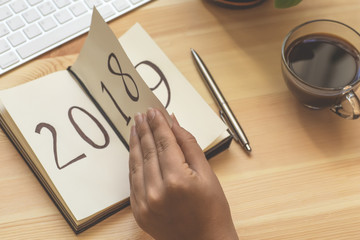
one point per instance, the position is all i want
(29, 28)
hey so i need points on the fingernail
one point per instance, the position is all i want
(150, 114)
(138, 118)
(175, 119)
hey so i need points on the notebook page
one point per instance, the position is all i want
(61, 124)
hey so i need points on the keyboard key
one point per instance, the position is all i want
(63, 16)
(4, 1)
(46, 8)
(16, 39)
(4, 46)
(8, 59)
(18, 6)
(31, 15)
(78, 9)
(5, 13)
(3, 30)
(120, 5)
(34, 2)
(15, 23)
(106, 11)
(52, 38)
(47, 24)
(32, 31)
(61, 3)
(92, 3)
(135, 1)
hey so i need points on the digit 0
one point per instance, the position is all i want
(82, 134)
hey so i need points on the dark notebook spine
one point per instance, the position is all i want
(98, 107)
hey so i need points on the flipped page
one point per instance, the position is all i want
(106, 73)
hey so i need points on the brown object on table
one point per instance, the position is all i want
(237, 3)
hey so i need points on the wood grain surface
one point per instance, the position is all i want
(302, 180)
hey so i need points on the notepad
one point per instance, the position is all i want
(72, 127)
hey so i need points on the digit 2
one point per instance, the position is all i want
(52, 130)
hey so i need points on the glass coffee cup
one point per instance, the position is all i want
(321, 66)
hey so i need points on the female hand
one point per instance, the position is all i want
(174, 192)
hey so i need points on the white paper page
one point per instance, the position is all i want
(92, 183)
(192, 112)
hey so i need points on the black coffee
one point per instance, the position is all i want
(323, 60)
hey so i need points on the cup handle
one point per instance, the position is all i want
(349, 106)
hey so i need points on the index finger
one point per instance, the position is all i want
(136, 169)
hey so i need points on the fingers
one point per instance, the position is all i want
(154, 155)
(136, 171)
(151, 168)
(170, 156)
(194, 155)
(158, 152)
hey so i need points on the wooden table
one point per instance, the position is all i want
(302, 180)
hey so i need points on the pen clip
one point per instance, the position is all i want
(224, 119)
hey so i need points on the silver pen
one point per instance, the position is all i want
(225, 112)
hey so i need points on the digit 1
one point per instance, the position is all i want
(126, 118)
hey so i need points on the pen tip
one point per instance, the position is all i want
(248, 148)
